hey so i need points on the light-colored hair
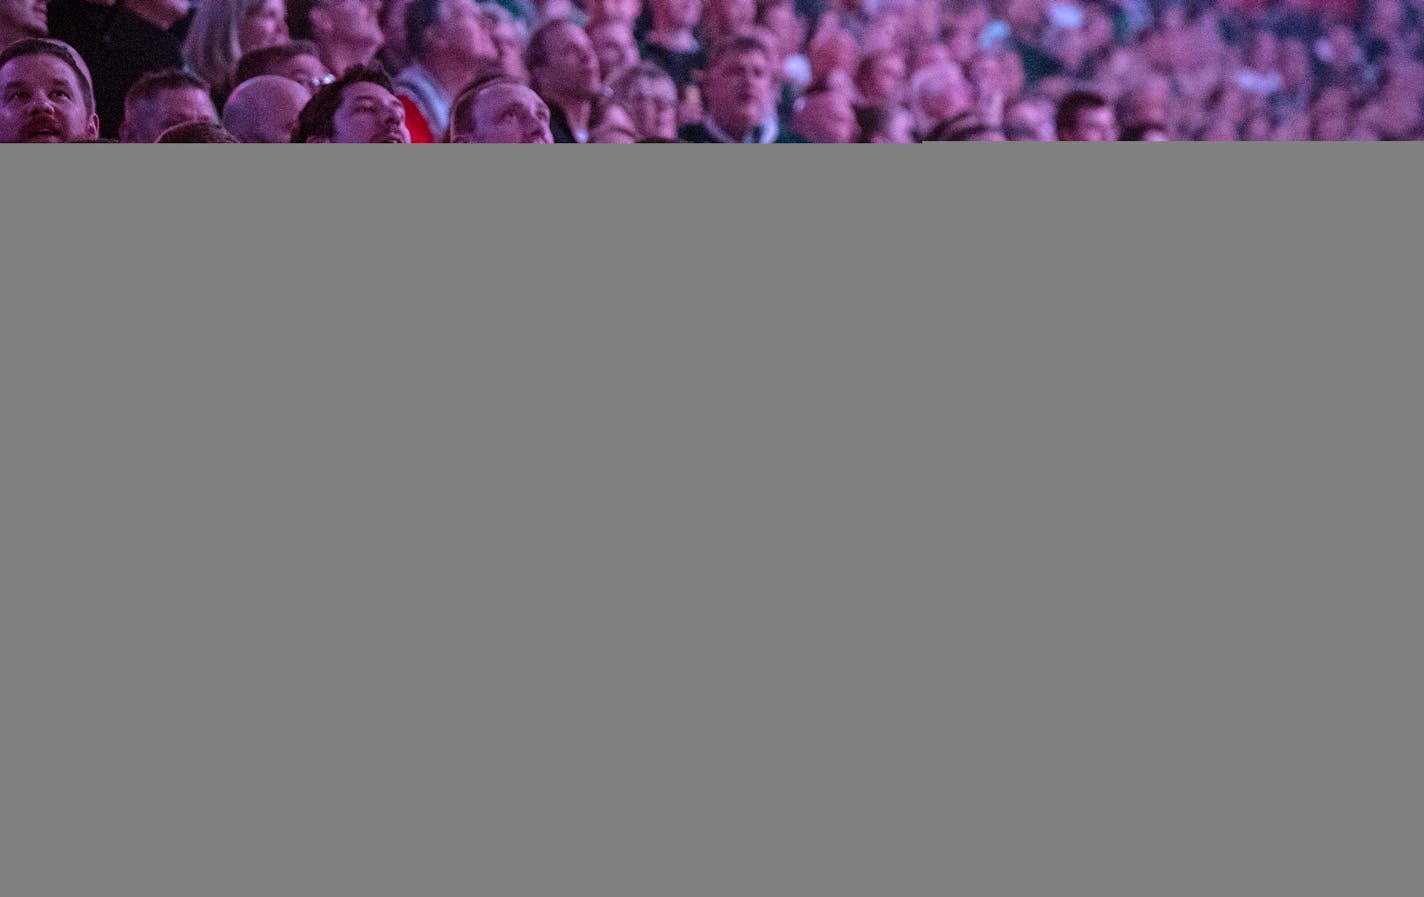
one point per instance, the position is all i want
(211, 48)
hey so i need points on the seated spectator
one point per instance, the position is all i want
(346, 32)
(499, 110)
(937, 94)
(45, 94)
(880, 78)
(511, 37)
(265, 109)
(740, 96)
(297, 60)
(197, 132)
(160, 100)
(625, 11)
(826, 116)
(447, 39)
(22, 18)
(614, 46)
(564, 71)
(223, 30)
(672, 44)
(120, 42)
(1085, 117)
(648, 95)
(724, 18)
(358, 107)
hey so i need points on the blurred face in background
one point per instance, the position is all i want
(614, 46)
(264, 24)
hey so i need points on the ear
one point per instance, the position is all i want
(91, 130)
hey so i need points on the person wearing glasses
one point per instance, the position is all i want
(649, 96)
(346, 32)
(297, 60)
(448, 40)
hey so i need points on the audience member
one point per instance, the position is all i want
(264, 109)
(446, 40)
(223, 30)
(45, 94)
(564, 71)
(358, 107)
(500, 110)
(346, 32)
(160, 100)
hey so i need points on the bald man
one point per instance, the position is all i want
(264, 109)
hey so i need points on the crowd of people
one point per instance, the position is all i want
(709, 71)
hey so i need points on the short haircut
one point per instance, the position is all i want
(420, 15)
(197, 132)
(536, 54)
(738, 43)
(318, 116)
(44, 46)
(263, 61)
(154, 83)
(462, 110)
(1073, 105)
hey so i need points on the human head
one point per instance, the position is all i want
(297, 60)
(351, 26)
(159, 100)
(721, 18)
(499, 110)
(45, 94)
(359, 107)
(739, 84)
(966, 127)
(826, 116)
(197, 132)
(453, 32)
(939, 93)
(265, 109)
(649, 96)
(562, 64)
(510, 38)
(880, 77)
(223, 30)
(22, 18)
(1084, 116)
(614, 46)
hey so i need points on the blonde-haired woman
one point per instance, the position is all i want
(223, 30)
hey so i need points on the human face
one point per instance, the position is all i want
(348, 22)
(369, 114)
(1094, 126)
(509, 41)
(613, 44)
(29, 18)
(264, 24)
(1029, 121)
(739, 91)
(462, 33)
(616, 127)
(41, 101)
(653, 108)
(886, 83)
(307, 71)
(168, 108)
(509, 113)
(827, 118)
(572, 69)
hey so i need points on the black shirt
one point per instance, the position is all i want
(118, 46)
(682, 67)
